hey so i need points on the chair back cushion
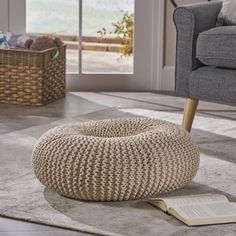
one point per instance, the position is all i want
(227, 15)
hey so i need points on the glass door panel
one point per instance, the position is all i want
(107, 36)
(111, 43)
(59, 18)
(107, 28)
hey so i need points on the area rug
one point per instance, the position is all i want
(23, 197)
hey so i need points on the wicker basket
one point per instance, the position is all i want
(30, 77)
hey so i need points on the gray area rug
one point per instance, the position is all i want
(23, 197)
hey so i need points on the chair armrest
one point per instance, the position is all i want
(190, 21)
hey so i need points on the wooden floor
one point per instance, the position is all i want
(14, 118)
(10, 227)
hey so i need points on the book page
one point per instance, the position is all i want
(204, 211)
(194, 200)
(233, 204)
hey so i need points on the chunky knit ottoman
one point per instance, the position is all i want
(115, 160)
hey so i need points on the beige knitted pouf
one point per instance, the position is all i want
(113, 160)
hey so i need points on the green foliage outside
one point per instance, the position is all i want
(124, 31)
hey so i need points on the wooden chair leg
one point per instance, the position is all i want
(189, 113)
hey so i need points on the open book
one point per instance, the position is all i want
(202, 209)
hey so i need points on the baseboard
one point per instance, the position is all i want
(168, 78)
(167, 83)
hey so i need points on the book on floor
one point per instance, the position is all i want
(202, 209)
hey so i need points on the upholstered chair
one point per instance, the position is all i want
(205, 57)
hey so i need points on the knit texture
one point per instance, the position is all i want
(114, 160)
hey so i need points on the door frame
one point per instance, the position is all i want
(4, 16)
(10, 19)
(146, 77)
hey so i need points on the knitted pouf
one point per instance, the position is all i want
(113, 160)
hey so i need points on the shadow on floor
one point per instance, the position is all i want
(15, 117)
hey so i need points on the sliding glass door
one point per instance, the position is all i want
(110, 43)
(58, 18)
(104, 28)
(107, 35)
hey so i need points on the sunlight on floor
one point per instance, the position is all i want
(201, 122)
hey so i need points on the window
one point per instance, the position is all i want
(107, 28)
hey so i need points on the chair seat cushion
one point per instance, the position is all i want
(217, 47)
(213, 84)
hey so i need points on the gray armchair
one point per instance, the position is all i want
(205, 57)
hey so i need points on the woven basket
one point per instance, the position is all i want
(31, 77)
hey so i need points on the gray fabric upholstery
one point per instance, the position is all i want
(217, 47)
(190, 21)
(211, 83)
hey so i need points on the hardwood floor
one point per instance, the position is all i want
(9, 227)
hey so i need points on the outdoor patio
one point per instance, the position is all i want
(99, 62)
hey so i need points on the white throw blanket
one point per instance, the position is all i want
(227, 15)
